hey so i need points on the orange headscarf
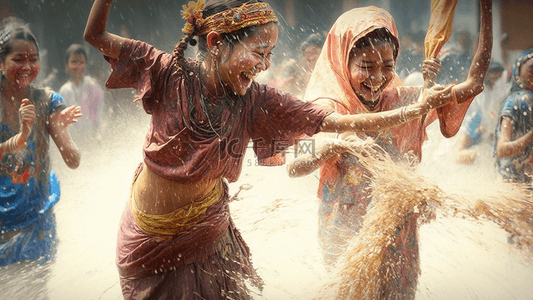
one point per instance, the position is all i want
(331, 76)
(330, 84)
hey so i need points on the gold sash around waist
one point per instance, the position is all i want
(180, 220)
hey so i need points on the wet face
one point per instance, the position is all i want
(22, 65)
(526, 74)
(371, 70)
(76, 66)
(238, 68)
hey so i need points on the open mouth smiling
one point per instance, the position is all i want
(248, 77)
(373, 88)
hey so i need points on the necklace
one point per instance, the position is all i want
(235, 106)
(216, 111)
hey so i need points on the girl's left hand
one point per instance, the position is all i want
(69, 115)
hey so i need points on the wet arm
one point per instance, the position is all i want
(12, 145)
(95, 30)
(373, 121)
(306, 164)
(17, 143)
(480, 63)
(507, 147)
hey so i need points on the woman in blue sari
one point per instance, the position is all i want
(514, 133)
(29, 117)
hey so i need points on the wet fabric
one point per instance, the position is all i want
(208, 147)
(38, 242)
(179, 220)
(210, 261)
(190, 140)
(440, 26)
(29, 188)
(344, 184)
(518, 107)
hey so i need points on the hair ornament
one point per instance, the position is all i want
(192, 14)
(246, 15)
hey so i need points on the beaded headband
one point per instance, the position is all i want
(246, 15)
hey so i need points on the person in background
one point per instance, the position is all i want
(356, 74)
(295, 73)
(177, 238)
(310, 51)
(456, 58)
(295, 76)
(411, 57)
(514, 132)
(482, 116)
(30, 116)
(84, 91)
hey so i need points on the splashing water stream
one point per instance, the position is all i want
(277, 216)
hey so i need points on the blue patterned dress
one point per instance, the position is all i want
(518, 108)
(29, 190)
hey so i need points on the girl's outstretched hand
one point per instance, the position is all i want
(359, 145)
(27, 117)
(437, 96)
(68, 116)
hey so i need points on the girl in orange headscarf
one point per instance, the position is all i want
(355, 73)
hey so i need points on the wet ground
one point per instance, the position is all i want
(460, 259)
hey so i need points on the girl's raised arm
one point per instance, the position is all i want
(95, 30)
(480, 63)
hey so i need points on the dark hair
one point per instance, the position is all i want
(75, 49)
(231, 39)
(380, 36)
(14, 29)
(313, 39)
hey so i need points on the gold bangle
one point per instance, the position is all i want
(11, 144)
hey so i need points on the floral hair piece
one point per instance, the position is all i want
(192, 14)
(246, 15)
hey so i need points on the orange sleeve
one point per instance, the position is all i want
(451, 115)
